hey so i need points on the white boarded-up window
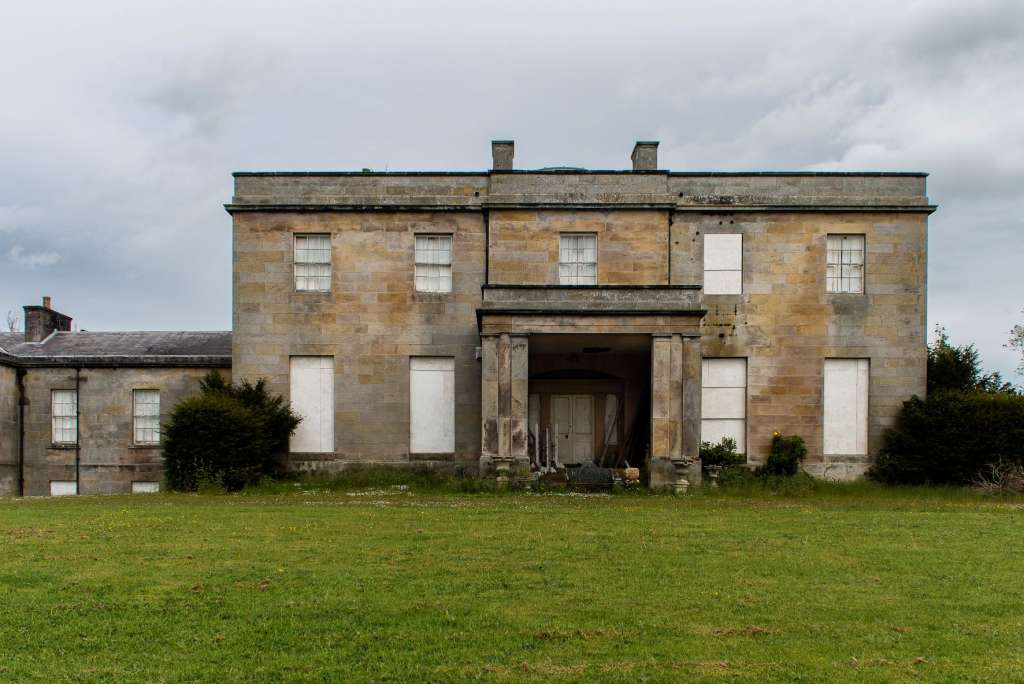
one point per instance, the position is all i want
(724, 401)
(433, 263)
(846, 407)
(577, 259)
(845, 264)
(723, 263)
(64, 414)
(146, 415)
(313, 263)
(145, 487)
(63, 487)
(312, 397)
(431, 404)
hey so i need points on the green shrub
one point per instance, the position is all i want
(951, 437)
(721, 454)
(785, 456)
(227, 436)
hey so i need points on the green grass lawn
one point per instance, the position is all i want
(834, 583)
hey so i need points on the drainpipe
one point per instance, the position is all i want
(22, 403)
(487, 247)
(78, 430)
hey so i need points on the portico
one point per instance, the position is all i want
(593, 341)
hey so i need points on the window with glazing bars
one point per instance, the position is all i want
(147, 416)
(313, 263)
(577, 259)
(845, 264)
(433, 263)
(64, 413)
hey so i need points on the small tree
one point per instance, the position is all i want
(786, 455)
(228, 435)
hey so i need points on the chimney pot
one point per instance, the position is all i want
(502, 152)
(645, 155)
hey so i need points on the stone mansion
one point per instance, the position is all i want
(485, 321)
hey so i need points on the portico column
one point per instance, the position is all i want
(504, 378)
(692, 384)
(519, 387)
(489, 402)
(675, 412)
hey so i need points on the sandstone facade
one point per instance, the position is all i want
(510, 326)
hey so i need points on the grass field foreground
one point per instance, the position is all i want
(304, 583)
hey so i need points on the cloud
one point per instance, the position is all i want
(119, 142)
(32, 260)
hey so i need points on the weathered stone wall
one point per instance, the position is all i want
(108, 460)
(632, 245)
(787, 325)
(650, 229)
(371, 321)
(8, 431)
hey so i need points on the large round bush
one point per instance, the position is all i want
(228, 436)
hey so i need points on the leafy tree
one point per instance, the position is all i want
(228, 435)
(954, 368)
(1017, 342)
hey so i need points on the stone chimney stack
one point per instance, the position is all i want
(40, 321)
(645, 155)
(502, 152)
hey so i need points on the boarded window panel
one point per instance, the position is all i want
(723, 263)
(63, 487)
(431, 405)
(312, 397)
(724, 401)
(846, 407)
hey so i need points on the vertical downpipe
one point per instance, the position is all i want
(487, 247)
(22, 402)
(78, 431)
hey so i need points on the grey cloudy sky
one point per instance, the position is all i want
(120, 122)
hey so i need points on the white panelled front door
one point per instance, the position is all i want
(572, 418)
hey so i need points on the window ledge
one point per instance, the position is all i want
(63, 446)
(144, 446)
